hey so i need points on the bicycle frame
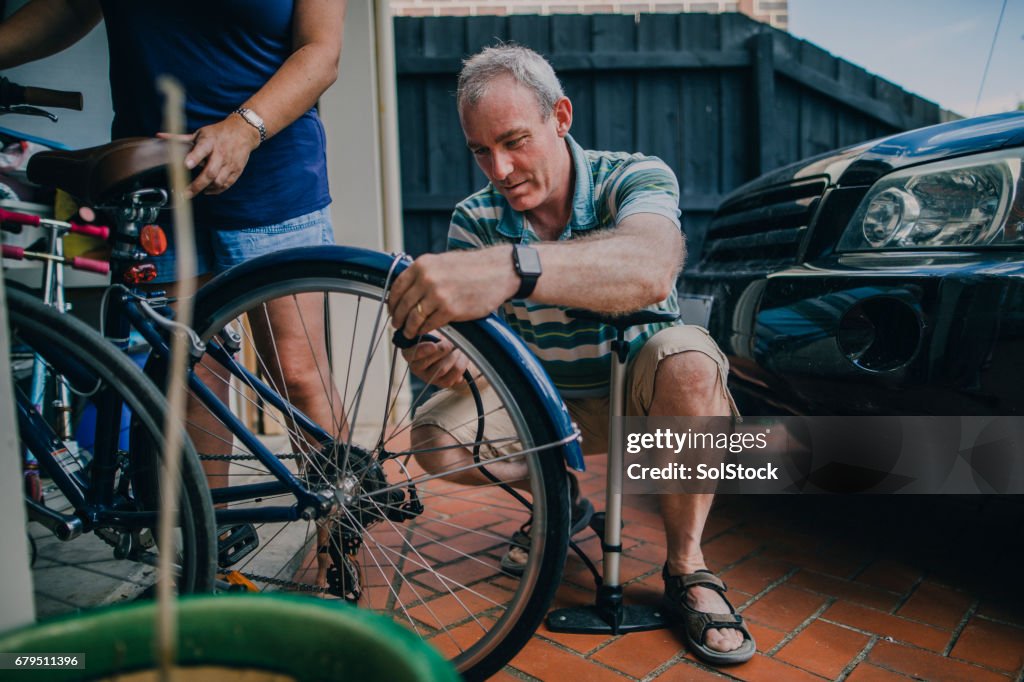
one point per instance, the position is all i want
(94, 503)
(309, 504)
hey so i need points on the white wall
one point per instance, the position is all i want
(362, 164)
(16, 603)
(81, 67)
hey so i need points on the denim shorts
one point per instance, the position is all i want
(218, 250)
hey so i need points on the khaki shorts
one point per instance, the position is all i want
(454, 411)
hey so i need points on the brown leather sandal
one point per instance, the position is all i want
(514, 560)
(697, 623)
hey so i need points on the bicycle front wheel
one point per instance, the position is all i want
(407, 538)
(103, 473)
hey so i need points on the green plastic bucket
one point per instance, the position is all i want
(297, 638)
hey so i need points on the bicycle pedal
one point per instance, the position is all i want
(234, 543)
(233, 581)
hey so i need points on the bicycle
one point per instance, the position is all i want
(115, 497)
(63, 369)
(332, 506)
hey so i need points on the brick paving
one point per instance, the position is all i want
(839, 588)
(845, 588)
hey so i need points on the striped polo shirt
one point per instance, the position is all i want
(610, 186)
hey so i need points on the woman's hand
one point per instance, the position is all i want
(222, 150)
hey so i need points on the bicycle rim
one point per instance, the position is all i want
(113, 562)
(437, 569)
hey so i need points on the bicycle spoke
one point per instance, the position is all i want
(469, 445)
(423, 563)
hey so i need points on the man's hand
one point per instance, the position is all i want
(451, 287)
(222, 149)
(439, 364)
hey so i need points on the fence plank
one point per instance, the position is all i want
(764, 101)
(483, 31)
(701, 123)
(413, 169)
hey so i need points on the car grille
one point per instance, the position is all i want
(763, 229)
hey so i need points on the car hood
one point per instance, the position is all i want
(864, 163)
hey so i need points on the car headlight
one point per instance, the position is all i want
(972, 201)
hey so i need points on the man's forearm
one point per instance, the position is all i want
(45, 27)
(630, 267)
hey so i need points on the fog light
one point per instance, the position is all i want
(856, 333)
(880, 334)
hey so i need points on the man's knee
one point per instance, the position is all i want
(692, 373)
(438, 452)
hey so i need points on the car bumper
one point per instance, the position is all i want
(915, 333)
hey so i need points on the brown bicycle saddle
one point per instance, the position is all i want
(96, 174)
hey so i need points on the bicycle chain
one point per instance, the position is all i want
(279, 582)
(236, 458)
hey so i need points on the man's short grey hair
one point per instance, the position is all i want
(526, 66)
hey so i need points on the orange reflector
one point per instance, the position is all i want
(140, 273)
(153, 240)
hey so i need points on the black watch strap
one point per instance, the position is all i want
(526, 261)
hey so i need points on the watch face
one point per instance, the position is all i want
(252, 117)
(528, 260)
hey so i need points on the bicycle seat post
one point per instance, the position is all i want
(608, 615)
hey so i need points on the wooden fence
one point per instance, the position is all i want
(719, 97)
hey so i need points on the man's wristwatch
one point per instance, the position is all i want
(527, 264)
(255, 120)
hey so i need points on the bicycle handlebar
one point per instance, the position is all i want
(78, 262)
(90, 265)
(18, 218)
(61, 99)
(12, 94)
(101, 231)
(13, 252)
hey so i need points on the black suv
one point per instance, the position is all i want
(884, 278)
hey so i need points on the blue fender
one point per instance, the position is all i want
(518, 361)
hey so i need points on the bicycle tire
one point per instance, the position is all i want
(456, 618)
(62, 341)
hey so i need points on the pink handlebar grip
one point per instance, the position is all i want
(15, 252)
(20, 218)
(100, 231)
(91, 265)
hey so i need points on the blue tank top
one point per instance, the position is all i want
(222, 51)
